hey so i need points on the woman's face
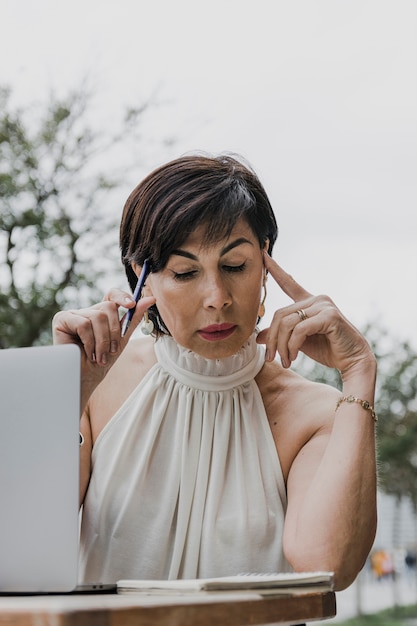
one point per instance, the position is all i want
(208, 296)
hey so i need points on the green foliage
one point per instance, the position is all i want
(319, 373)
(397, 412)
(54, 216)
(398, 616)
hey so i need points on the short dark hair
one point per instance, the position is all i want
(176, 198)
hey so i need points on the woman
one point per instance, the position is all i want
(203, 454)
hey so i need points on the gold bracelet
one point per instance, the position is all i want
(364, 404)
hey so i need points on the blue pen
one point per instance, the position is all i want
(136, 295)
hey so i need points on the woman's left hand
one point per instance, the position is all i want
(312, 325)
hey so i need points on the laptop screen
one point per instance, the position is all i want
(39, 468)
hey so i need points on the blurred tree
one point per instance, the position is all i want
(397, 425)
(54, 209)
(319, 373)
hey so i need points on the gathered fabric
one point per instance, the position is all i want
(186, 480)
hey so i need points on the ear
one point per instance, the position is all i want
(147, 291)
(265, 248)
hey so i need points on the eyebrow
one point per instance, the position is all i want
(238, 242)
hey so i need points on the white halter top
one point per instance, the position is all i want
(186, 480)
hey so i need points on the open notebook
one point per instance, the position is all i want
(259, 583)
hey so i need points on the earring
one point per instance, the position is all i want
(147, 324)
(261, 310)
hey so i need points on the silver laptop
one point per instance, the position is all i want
(39, 468)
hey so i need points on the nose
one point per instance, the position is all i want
(216, 293)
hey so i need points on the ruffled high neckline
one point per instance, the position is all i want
(210, 374)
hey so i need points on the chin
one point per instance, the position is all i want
(219, 349)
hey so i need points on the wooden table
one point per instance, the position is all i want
(210, 609)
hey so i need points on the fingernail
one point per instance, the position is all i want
(128, 300)
(113, 346)
(267, 355)
(103, 359)
(93, 357)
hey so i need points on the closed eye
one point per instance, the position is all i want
(183, 276)
(234, 268)
(230, 269)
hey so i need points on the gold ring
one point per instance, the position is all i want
(302, 314)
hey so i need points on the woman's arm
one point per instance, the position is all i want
(331, 516)
(85, 454)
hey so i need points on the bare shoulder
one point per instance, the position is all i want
(130, 368)
(139, 352)
(298, 409)
(285, 391)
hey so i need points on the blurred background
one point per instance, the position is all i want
(319, 96)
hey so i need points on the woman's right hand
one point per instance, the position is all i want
(97, 330)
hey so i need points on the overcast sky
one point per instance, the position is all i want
(319, 95)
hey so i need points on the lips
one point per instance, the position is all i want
(217, 332)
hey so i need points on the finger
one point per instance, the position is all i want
(95, 329)
(108, 336)
(119, 297)
(99, 332)
(104, 327)
(64, 328)
(287, 283)
(293, 330)
(98, 329)
(318, 327)
(75, 327)
(142, 305)
(278, 336)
